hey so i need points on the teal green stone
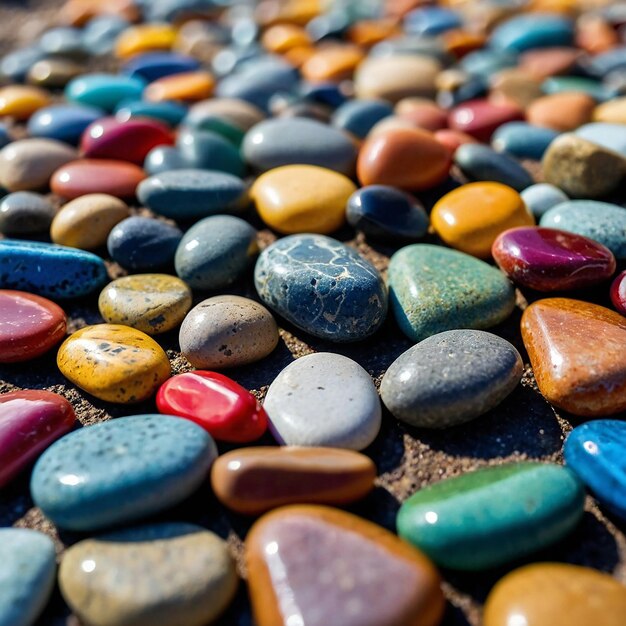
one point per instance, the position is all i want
(593, 88)
(492, 516)
(434, 289)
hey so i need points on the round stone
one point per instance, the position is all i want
(170, 113)
(333, 63)
(618, 293)
(164, 159)
(359, 116)
(154, 65)
(143, 38)
(541, 197)
(25, 213)
(534, 30)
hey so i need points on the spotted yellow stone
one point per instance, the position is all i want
(302, 199)
(144, 38)
(114, 363)
(152, 303)
(21, 101)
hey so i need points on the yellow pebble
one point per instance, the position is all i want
(334, 63)
(302, 199)
(612, 111)
(284, 37)
(144, 38)
(114, 363)
(188, 86)
(21, 101)
(472, 216)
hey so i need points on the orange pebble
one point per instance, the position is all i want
(188, 86)
(461, 42)
(561, 111)
(452, 139)
(299, 12)
(333, 63)
(595, 35)
(422, 112)
(283, 37)
(299, 55)
(79, 12)
(369, 32)
(545, 62)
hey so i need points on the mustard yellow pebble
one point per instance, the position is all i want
(114, 363)
(21, 101)
(302, 199)
(151, 303)
(144, 38)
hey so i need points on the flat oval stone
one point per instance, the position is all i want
(618, 292)
(451, 378)
(170, 113)
(333, 63)
(104, 91)
(359, 116)
(28, 575)
(562, 112)
(76, 272)
(63, 122)
(151, 303)
(121, 470)
(433, 289)
(541, 197)
(191, 193)
(15, 65)
(543, 594)
(526, 32)
(547, 259)
(153, 65)
(143, 38)
(322, 286)
(164, 159)
(227, 331)
(21, 101)
(178, 573)
(114, 363)
(54, 73)
(522, 140)
(205, 149)
(458, 522)
(225, 409)
(324, 399)
(576, 350)
(287, 549)
(302, 198)
(186, 87)
(481, 118)
(230, 117)
(25, 212)
(610, 136)
(422, 113)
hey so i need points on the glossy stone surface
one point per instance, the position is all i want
(359, 116)
(529, 31)
(481, 118)
(170, 113)
(547, 259)
(561, 112)
(618, 292)
(104, 91)
(187, 86)
(433, 289)
(21, 101)
(205, 149)
(64, 122)
(121, 470)
(491, 516)
(54, 73)
(25, 212)
(451, 378)
(287, 550)
(322, 286)
(144, 38)
(163, 159)
(153, 65)
(114, 363)
(164, 573)
(541, 197)
(576, 349)
(523, 141)
(221, 406)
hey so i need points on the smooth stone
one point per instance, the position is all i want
(470, 217)
(6, 135)
(532, 30)
(561, 112)
(63, 122)
(609, 136)
(540, 198)
(433, 289)
(423, 113)
(170, 113)
(143, 244)
(576, 350)
(494, 515)
(151, 66)
(204, 149)
(164, 574)
(593, 88)
(542, 63)
(609, 61)
(546, 259)
(21, 101)
(28, 164)
(144, 38)
(114, 363)
(16, 65)
(359, 116)
(229, 117)
(163, 159)
(324, 399)
(227, 331)
(601, 221)
(618, 292)
(54, 73)
(215, 252)
(191, 193)
(151, 303)
(544, 594)
(322, 286)
(485, 63)
(431, 21)
(101, 32)
(302, 198)
(63, 41)
(522, 140)
(384, 212)
(335, 63)
(25, 212)
(451, 378)
(288, 550)
(76, 272)
(186, 87)
(28, 575)
(515, 85)
(453, 139)
(120, 470)
(104, 91)
(87, 176)
(481, 118)
(86, 222)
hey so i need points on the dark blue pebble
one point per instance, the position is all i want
(204, 149)
(154, 65)
(360, 116)
(64, 122)
(5, 135)
(522, 140)
(329, 94)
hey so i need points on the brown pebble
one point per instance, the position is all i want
(561, 111)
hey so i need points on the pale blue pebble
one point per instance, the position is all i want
(541, 197)
(63, 41)
(101, 32)
(163, 159)
(522, 140)
(611, 136)
(359, 116)
(431, 21)
(16, 65)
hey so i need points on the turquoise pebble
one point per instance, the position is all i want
(541, 197)
(593, 88)
(151, 66)
(522, 140)
(64, 122)
(204, 149)
(431, 21)
(611, 136)
(101, 33)
(532, 30)
(359, 116)
(483, 63)
(171, 113)
(163, 159)
(103, 90)
(121, 470)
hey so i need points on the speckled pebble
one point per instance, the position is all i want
(25, 212)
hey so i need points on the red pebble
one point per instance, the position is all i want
(217, 403)
(452, 139)
(618, 293)
(480, 118)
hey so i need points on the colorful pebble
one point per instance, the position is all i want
(25, 213)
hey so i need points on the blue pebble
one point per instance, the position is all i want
(154, 65)
(593, 88)
(64, 122)
(474, 87)
(121, 470)
(359, 116)
(27, 575)
(485, 62)
(522, 140)
(163, 159)
(204, 149)
(329, 94)
(607, 62)
(5, 135)
(16, 65)
(230, 58)
(322, 286)
(143, 244)
(101, 32)
(104, 90)
(541, 197)
(532, 30)
(170, 10)
(63, 41)
(171, 113)
(611, 136)
(330, 25)
(431, 21)
(49, 270)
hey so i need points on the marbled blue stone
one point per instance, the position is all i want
(595, 452)
(163, 159)
(63, 41)
(171, 113)
(593, 88)
(65, 122)
(105, 91)
(143, 244)
(611, 136)
(322, 286)
(600, 221)
(329, 94)
(532, 30)
(101, 33)
(431, 21)
(206, 150)
(15, 65)
(49, 270)
(541, 197)
(486, 62)
(359, 116)
(154, 65)
(522, 140)
(121, 470)
(191, 193)
(27, 575)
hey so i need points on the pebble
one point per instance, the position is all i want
(324, 399)
(481, 118)
(252, 481)
(185, 87)
(618, 293)
(544, 62)
(302, 198)
(522, 140)
(63, 41)
(16, 65)
(359, 116)
(104, 91)
(28, 575)
(63, 122)
(154, 65)
(21, 101)
(451, 378)
(322, 286)
(76, 272)
(470, 217)
(227, 331)
(151, 303)
(204, 149)
(230, 117)
(114, 363)
(423, 113)
(25, 213)
(609, 136)
(143, 38)
(532, 30)
(433, 289)
(163, 159)
(287, 550)
(576, 350)
(164, 573)
(225, 409)
(121, 470)
(54, 73)
(333, 63)
(170, 113)
(541, 197)
(561, 112)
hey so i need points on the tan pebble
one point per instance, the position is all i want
(561, 111)
(54, 73)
